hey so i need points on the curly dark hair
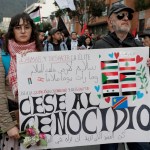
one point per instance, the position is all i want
(15, 22)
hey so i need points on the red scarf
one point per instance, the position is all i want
(14, 49)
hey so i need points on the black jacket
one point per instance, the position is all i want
(112, 41)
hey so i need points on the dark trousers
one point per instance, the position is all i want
(131, 146)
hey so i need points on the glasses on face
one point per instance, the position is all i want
(23, 28)
(120, 16)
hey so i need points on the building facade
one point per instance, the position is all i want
(141, 19)
(5, 24)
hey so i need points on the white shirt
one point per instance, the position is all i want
(74, 44)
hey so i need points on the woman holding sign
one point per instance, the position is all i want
(21, 38)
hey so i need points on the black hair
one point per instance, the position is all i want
(40, 30)
(15, 22)
(90, 44)
(73, 32)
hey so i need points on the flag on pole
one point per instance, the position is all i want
(61, 25)
(83, 29)
(62, 5)
(71, 5)
(66, 4)
(35, 14)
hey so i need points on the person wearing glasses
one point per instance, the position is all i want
(119, 18)
(21, 38)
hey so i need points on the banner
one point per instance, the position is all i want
(62, 5)
(86, 97)
(71, 5)
(66, 4)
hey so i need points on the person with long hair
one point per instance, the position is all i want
(21, 38)
(88, 43)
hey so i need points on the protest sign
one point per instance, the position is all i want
(86, 97)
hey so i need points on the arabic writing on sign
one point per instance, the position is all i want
(67, 71)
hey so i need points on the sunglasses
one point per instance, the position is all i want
(120, 16)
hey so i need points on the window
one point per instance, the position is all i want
(141, 24)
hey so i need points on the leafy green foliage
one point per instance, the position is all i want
(92, 9)
(43, 142)
(141, 5)
(141, 74)
(45, 26)
(134, 97)
(96, 8)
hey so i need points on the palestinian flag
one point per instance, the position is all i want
(110, 64)
(128, 76)
(35, 15)
(110, 90)
(109, 77)
(119, 102)
(127, 64)
(129, 89)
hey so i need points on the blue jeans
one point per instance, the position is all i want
(131, 146)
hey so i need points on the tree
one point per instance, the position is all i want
(45, 26)
(86, 10)
(141, 5)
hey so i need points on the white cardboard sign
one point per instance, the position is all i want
(86, 97)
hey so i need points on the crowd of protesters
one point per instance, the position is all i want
(22, 37)
(56, 40)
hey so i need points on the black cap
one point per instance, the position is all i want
(54, 30)
(146, 32)
(115, 8)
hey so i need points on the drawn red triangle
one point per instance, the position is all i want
(122, 77)
(102, 65)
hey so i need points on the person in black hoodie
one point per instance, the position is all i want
(119, 18)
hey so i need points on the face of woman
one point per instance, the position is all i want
(87, 41)
(22, 32)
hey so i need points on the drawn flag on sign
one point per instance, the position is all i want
(110, 90)
(129, 89)
(127, 76)
(109, 77)
(127, 64)
(110, 64)
(119, 102)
